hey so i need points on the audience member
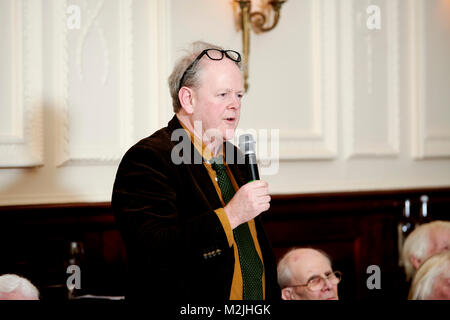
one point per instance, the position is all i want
(306, 274)
(13, 287)
(432, 280)
(426, 240)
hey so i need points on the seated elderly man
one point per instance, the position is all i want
(432, 280)
(426, 240)
(306, 274)
(13, 287)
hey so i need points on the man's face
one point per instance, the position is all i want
(217, 102)
(313, 264)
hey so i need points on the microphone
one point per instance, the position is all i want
(247, 144)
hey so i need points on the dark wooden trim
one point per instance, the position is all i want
(59, 213)
(358, 202)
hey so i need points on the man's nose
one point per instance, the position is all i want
(327, 285)
(235, 103)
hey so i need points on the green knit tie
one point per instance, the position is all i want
(251, 265)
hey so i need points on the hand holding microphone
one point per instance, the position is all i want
(252, 198)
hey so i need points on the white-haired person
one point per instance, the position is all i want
(14, 287)
(426, 240)
(306, 274)
(432, 279)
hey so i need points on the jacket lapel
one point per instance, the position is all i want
(197, 170)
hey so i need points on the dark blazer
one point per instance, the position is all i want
(176, 245)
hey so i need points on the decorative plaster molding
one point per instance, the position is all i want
(24, 147)
(348, 74)
(159, 63)
(426, 142)
(103, 155)
(321, 141)
(92, 22)
(391, 146)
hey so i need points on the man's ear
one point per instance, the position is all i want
(185, 95)
(286, 294)
(415, 261)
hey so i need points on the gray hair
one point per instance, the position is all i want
(10, 283)
(426, 275)
(418, 243)
(283, 270)
(192, 76)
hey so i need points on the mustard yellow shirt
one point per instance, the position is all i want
(237, 286)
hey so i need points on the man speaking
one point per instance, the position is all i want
(182, 198)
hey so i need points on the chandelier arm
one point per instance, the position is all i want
(258, 20)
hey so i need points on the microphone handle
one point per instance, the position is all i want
(253, 167)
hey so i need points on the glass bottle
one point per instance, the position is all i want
(74, 265)
(424, 216)
(404, 228)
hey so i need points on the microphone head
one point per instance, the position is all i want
(247, 144)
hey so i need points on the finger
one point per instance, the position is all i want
(260, 192)
(262, 201)
(259, 189)
(264, 207)
(258, 184)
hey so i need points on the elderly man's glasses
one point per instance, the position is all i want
(213, 54)
(316, 283)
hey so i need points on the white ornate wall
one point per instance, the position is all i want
(352, 107)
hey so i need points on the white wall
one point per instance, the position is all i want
(355, 109)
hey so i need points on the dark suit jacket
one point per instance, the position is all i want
(176, 245)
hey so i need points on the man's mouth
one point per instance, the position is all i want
(230, 119)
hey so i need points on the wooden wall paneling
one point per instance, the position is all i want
(356, 229)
